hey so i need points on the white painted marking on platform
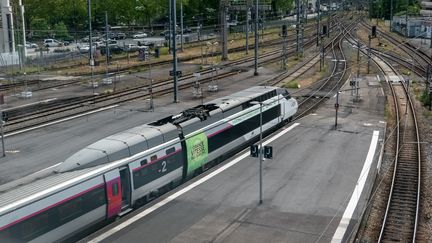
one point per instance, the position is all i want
(184, 190)
(59, 121)
(343, 225)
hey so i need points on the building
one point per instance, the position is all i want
(7, 42)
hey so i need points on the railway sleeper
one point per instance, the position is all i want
(406, 199)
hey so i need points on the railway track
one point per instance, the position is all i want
(421, 60)
(402, 211)
(329, 85)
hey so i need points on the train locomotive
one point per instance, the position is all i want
(109, 177)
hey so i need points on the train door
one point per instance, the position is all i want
(125, 187)
(114, 193)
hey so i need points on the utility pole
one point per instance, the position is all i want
(170, 25)
(298, 27)
(181, 24)
(91, 57)
(107, 52)
(369, 53)
(174, 49)
(328, 22)
(24, 54)
(303, 12)
(318, 7)
(430, 74)
(321, 36)
(248, 16)
(391, 15)
(224, 29)
(285, 46)
(91, 61)
(256, 38)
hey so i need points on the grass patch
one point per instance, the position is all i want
(164, 51)
(292, 85)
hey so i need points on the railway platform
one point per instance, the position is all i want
(314, 190)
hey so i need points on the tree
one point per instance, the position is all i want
(39, 28)
(60, 31)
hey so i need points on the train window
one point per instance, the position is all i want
(170, 150)
(153, 158)
(143, 162)
(70, 209)
(115, 189)
(34, 226)
(287, 95)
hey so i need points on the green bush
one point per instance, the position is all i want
(292, 85)
(425, 98)
(164, 51)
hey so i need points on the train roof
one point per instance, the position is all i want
(118, 146)
(230, 101)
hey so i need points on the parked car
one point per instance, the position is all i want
(83, 48)
(31, 45)
(139, 35)
(131, 48)
(52, 43)
(165, 33)
(110, 42)
(94, 38)
(121, 36)
(110, 35)
(187, 30)
(114, 49)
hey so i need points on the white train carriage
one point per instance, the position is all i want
(106, 178)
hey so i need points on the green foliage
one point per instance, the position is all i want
(164, 51)
(292, 85)
(61, 31)
(425, 98)
(382, 8)
(39, 27)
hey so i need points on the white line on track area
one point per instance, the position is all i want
(184, 190)
(59, 121)
(346, 218)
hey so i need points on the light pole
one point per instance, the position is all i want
(2, 132)
(174, 47)
(260, 151)
(256, 39)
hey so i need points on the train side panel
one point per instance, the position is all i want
(157, 170)
(56, 216)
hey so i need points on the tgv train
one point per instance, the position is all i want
(109, 177)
